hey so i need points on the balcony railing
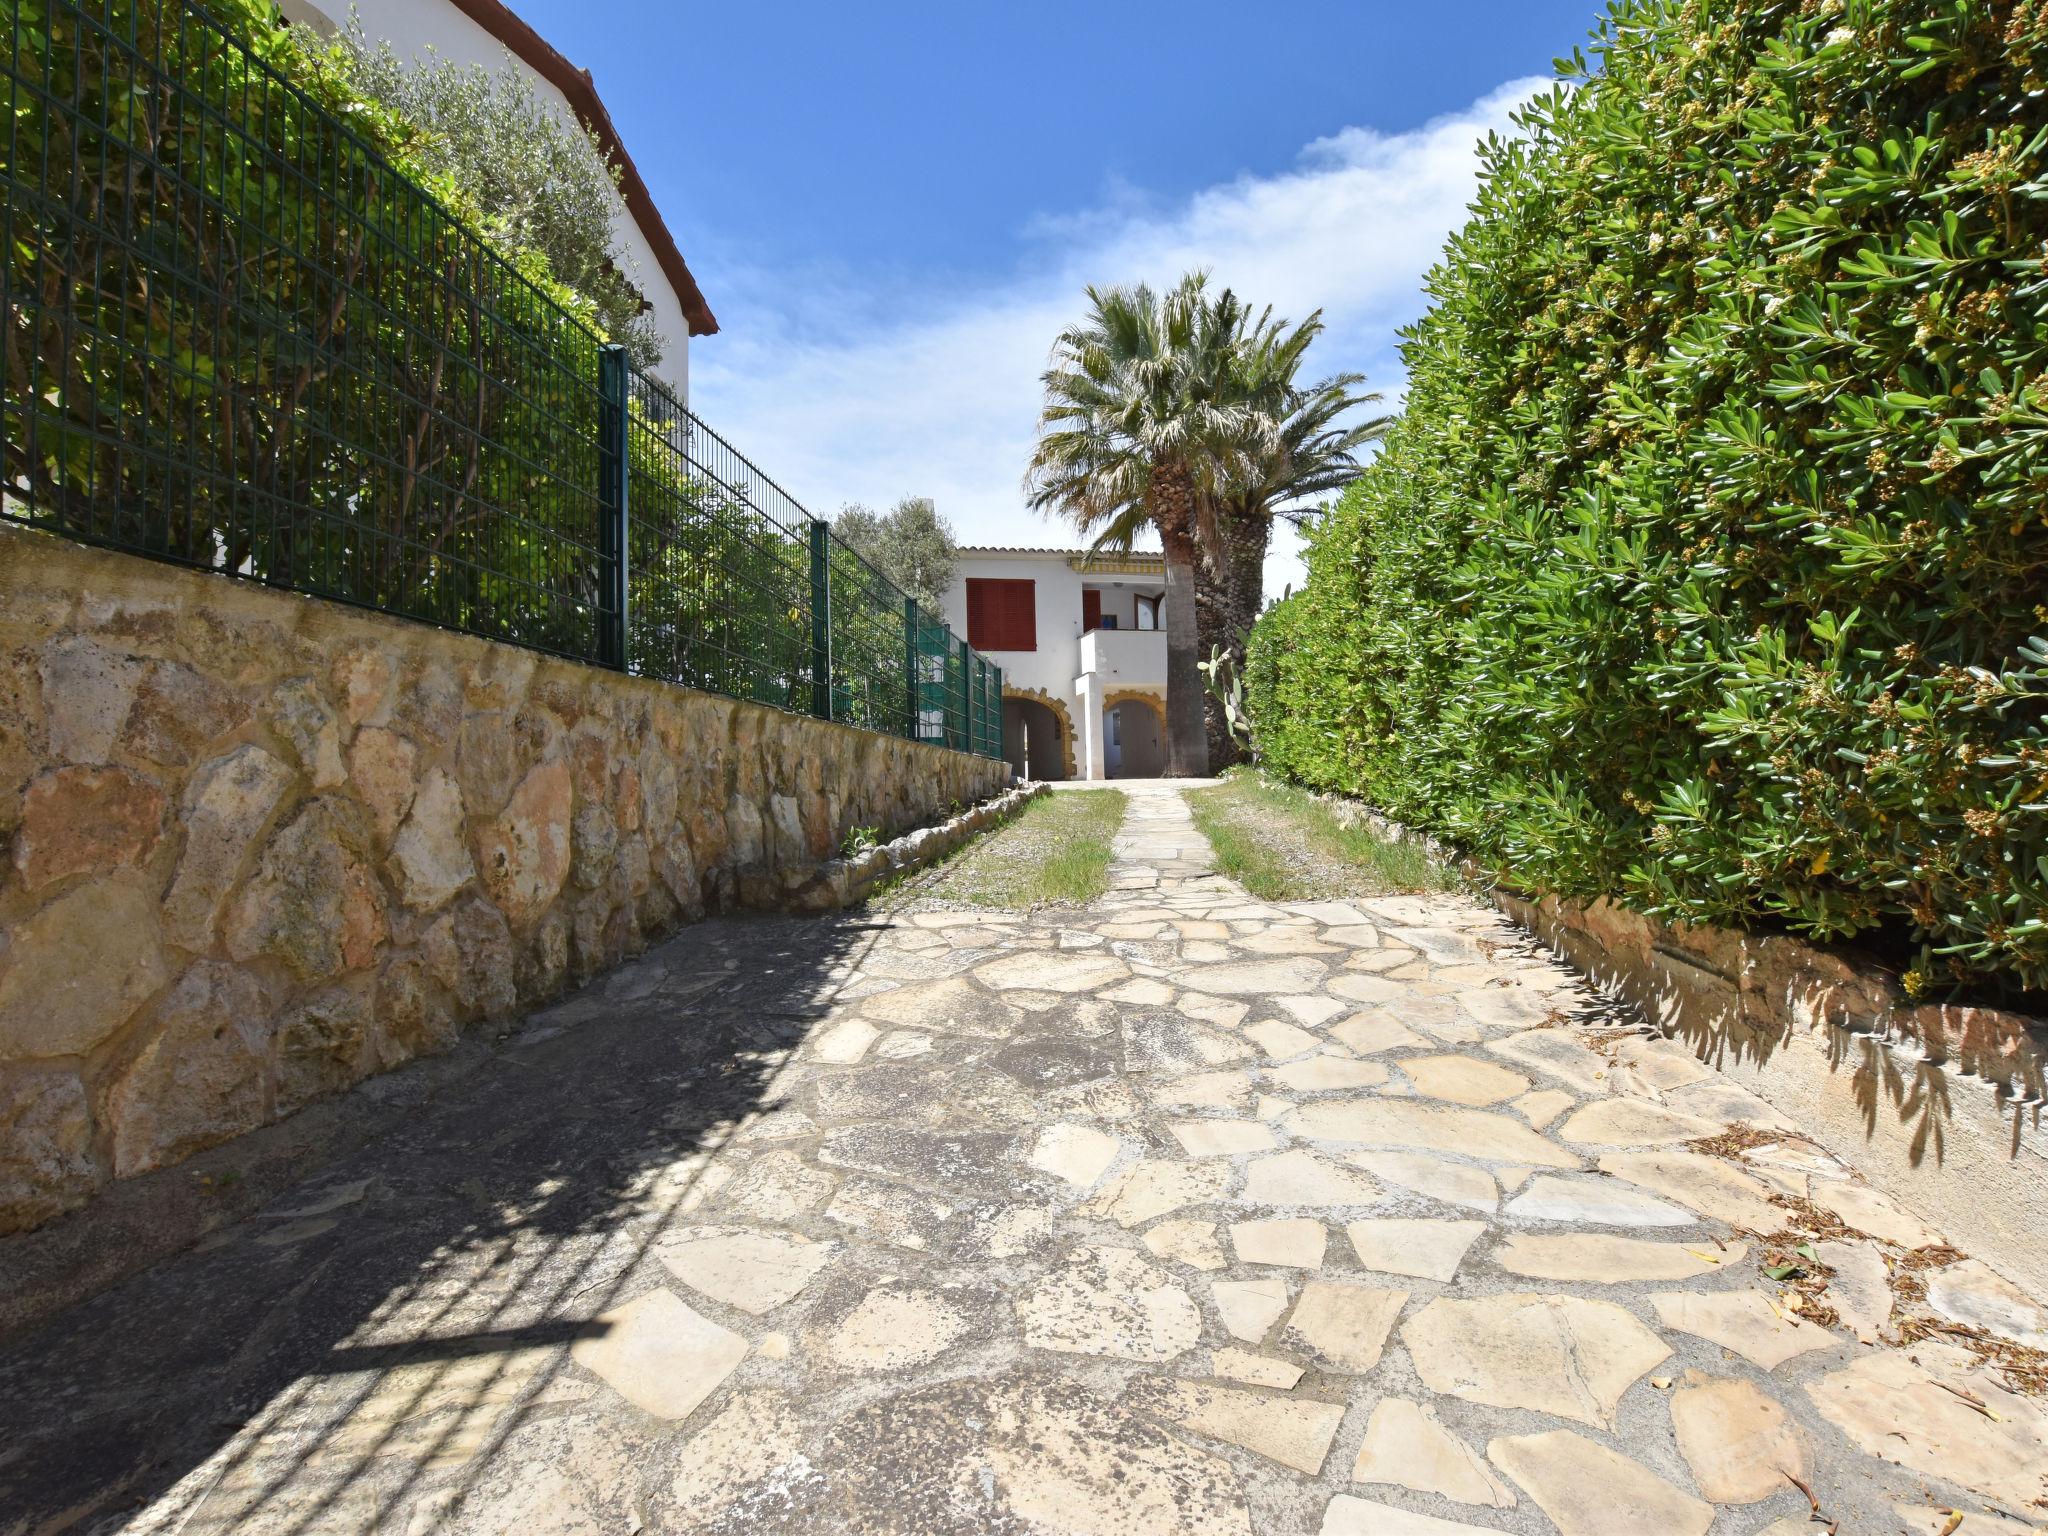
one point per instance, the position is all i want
(1132, 656)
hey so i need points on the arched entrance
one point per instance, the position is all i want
(1133, 737)
(1038, 743)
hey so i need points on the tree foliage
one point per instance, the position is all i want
(1707, 567)
(537, 181)
(1139, 431)
(1306, 445)
(911, 544)
(246, 330)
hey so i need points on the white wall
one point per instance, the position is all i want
(1126, 658)
(1052, 667)
(412, 27)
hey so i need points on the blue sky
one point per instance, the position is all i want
(892, 208)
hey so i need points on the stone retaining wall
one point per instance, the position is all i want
(1940, 1104)
(256, 847)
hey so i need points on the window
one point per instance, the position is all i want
(1148, 612)
(1109, 621)
(1002, 615)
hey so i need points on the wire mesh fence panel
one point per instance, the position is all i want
(719, 561)
(956, 696)
(868, 659)
(237, 337)
(935, 656)
(986, 736)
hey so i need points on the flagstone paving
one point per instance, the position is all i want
(1181, 1213)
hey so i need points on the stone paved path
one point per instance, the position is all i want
(1185, 1213)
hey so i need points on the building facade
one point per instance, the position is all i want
(1082, 645)
(485, 32)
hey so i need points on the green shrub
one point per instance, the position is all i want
(539, 180)
(1707, 567)
(244, 329)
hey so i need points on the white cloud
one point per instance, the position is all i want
(843, 403)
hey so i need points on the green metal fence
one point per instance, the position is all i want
(236, 337)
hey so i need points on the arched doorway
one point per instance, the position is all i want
(1133, 738)
(1036, 741)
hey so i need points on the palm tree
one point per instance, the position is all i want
(1143, 425)
(1302, 451)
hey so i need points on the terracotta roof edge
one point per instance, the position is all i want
(577, 86)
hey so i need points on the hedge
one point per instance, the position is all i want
(1707, 569)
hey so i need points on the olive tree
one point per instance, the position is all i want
(540, 181)
(911, 544)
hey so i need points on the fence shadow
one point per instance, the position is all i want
(399, 1311)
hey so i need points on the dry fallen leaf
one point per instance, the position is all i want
(1972, 1399)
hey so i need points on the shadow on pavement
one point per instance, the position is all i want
(389, 1317)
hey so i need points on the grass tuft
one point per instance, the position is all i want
(1282, 844)
(1055, 852)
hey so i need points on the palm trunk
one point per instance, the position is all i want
(1228, 599)
(1173, 506)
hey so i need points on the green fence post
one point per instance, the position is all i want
(910, 666)
(821, 619)
(613, 547)
(958, 735)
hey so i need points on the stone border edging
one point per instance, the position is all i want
(846, 881)
(2006, 1051)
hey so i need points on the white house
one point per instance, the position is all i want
(483, 32)
(1082, 646)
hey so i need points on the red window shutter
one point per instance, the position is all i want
(1002, 615)
(1091, 609)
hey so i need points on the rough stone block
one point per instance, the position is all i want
(524, 853)
(595, 839)
(411, 1018)
(46, 1164)
(76, 971)
(226, 808)
(313, 905)
(382, 774)
(429, 856)
(302, 718)
(321, 1047)
(470, 952)
(178, 712)
(86, 821)
(201, 1076)
(361, 676)
(88, 689)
